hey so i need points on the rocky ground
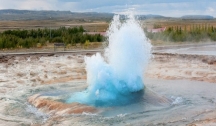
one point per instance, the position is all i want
(183, 66)
(191, 67)
(29, 71)
(41, 69)
(19, 73)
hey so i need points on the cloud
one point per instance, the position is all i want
(210, 9)
(174, 8)
(166, 7)
(38, 4)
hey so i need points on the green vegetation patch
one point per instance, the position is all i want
(38, 37)
(195, 33)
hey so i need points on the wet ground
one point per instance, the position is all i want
(191, 102)
(198, 49)
(180, 90)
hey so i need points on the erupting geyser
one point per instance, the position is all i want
(117, 78)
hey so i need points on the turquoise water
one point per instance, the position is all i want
(116, 78)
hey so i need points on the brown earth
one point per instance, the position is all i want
(58, 108)
(176, 66)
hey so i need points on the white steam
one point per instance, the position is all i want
(120, 73)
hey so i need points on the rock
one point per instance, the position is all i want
(34, 58)
(58, 108)
(33, 80)
(62, 72)
(20, 81)
(80, 60)
(4, 59)
(33, 73)
(51, 54)
(45, 76)
(20, 74)
(70, 57)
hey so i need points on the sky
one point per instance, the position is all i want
(172, 8)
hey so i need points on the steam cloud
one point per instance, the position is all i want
(117, 78)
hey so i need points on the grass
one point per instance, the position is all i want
(98, 26)
(49, 47)
(149, 23)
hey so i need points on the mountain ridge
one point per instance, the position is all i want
(13, 14)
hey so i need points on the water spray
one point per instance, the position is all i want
(118, 80)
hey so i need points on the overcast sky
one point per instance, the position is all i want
(174, 8)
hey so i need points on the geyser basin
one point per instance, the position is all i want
(193, 101)
(117, 78)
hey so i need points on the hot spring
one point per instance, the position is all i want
(117, 77)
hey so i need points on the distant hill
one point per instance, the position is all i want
(150, 16)
(11, 14)
(144, 17)
(197, 17)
